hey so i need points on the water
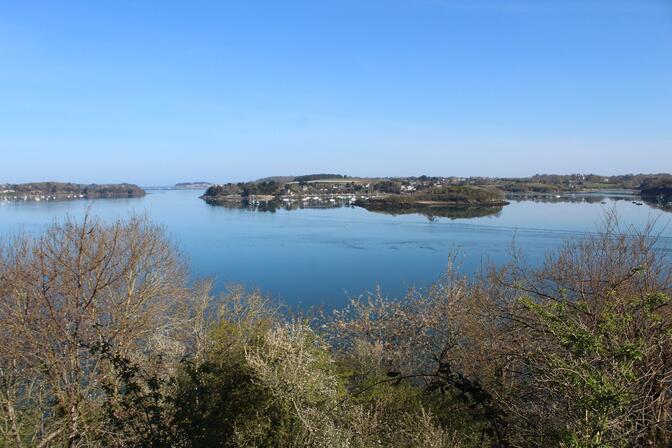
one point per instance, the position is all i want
(322, 256)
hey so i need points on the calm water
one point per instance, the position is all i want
(322, 256)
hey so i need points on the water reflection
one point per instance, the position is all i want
(273, 206)
(452, 213)
(430, 212)
(659, 203)
(588, 197)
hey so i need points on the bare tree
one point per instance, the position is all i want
(79, 284)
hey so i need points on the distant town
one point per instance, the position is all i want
(392, 194)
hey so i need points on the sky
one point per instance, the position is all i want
(161, 92)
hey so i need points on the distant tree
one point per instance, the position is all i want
(388, 186)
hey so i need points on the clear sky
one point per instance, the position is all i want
(161, 92)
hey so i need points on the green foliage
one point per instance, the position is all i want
(219, 396)
(440, 201)
(222, 190)
(136, 406)
(261, 188)
(595, 359)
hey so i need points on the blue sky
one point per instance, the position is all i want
(160, 92)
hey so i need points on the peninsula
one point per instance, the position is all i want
(59, 191)
(431, 196)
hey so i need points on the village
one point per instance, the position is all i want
(61, 191)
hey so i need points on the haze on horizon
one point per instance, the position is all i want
(161, 92)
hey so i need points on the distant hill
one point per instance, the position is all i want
(302, 178)
(278, 179)
(311, 177)
(192, 185)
